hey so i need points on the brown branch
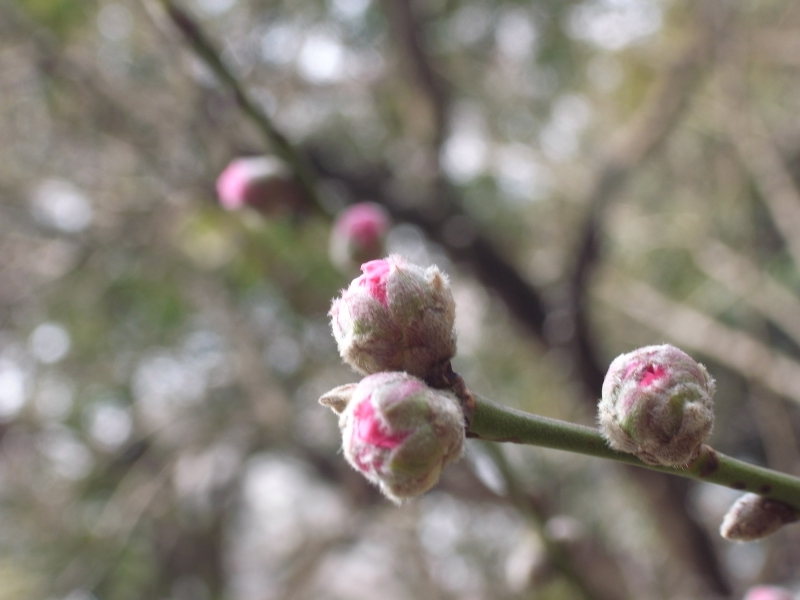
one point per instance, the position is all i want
(405, 27)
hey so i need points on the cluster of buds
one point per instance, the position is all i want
(395, 325)
(263, 183)
(657, 404)
(398, 432)
(358, 235)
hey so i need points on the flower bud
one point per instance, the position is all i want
(398, 432)
(395, 317)
(753, 517)
(358, 235)
(261, 182)
(768, 592)
(657, 404)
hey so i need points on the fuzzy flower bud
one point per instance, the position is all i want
(398, 432)
(358, 235)
(395, 317)
(657, 404)
(753, 517)
(261, 182)
(768, 592)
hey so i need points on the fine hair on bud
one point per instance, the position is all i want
(753, 517)
(398, 432)
(395, 317)
(657, 403)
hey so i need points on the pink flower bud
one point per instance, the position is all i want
(657, 404)
(768, 592)
(395, 317)
(398, 432)
(753, 517)
(358, 235)
(262, 182)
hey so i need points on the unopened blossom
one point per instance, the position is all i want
(768, 592)
(657, 404)
(753, 517)
(395, 317)
(358, 235)
(261, 182)
(398, 432)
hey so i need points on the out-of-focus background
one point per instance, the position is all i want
(594, 175)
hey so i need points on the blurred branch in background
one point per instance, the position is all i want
(763, 161)
(408, 37)
(750, 284)
(644, 135)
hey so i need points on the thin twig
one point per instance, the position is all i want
(205, 49)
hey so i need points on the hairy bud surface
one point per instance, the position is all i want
(753, 517)
(657, 404)
(398, 432)
(395, 317)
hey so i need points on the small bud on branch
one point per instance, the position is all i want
(263, 183)
(395, 317)
(753, 517)
(358, 235)
(657, 404)
(656, 409)
(398, 432)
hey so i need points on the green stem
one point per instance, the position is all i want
(494, 422)
(205, 49)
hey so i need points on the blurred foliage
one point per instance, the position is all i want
(60, 16)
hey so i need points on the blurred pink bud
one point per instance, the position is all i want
(261, 182)
(358, 235)
(768, 592)
(395, 317)
(657, 404)
(753, 517)
(398, 432)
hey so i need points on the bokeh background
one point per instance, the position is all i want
(594, 175)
